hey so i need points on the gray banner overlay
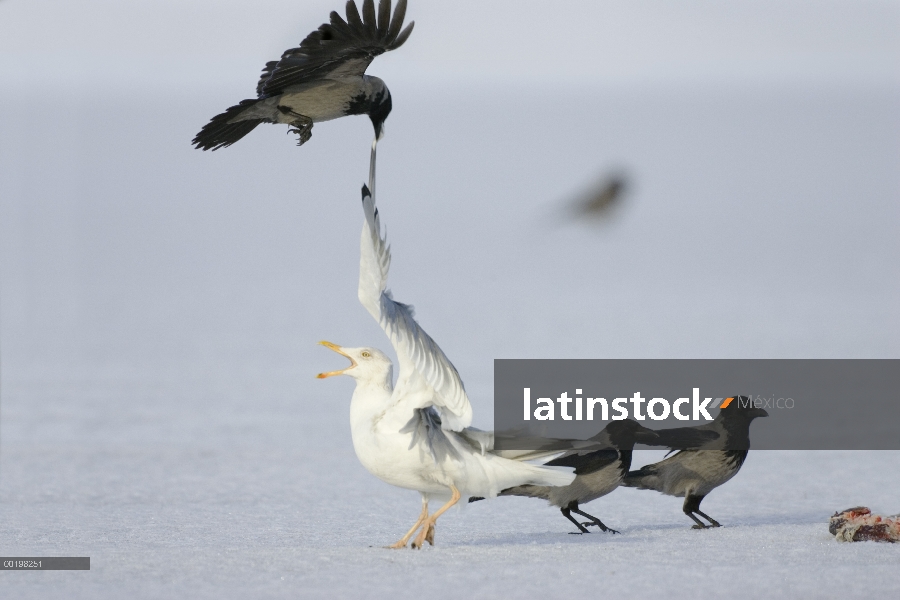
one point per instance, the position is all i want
(45, 563)
(812, 404)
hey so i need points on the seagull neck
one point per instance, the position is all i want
(370, 399)
(374, 387)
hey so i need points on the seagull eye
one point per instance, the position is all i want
(365, 354)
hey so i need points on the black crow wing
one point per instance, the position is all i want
(338, 48)
(684, 438)
(266, 73)
(586, 462)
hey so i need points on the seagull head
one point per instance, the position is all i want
(366, 364)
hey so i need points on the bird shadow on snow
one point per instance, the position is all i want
(640, 533)
(564, 537)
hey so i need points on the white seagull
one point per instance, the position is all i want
(416, 435)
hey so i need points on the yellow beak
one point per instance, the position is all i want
(340, 351)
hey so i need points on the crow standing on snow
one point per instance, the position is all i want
(599, 469)
(322, 79)
(695, 472)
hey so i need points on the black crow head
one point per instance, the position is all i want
(379, 111)
(741, 408)
(735, 419)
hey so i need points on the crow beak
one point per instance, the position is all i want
(340, 351)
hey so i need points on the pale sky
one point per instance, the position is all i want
(597, 41)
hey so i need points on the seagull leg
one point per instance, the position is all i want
(401, 543)
(426, 534)
(593, 520)
(567, 513)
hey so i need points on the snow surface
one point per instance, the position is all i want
(159, 310)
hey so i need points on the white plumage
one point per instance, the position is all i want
(416, 434)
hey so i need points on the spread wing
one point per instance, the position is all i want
(426, 375)
(338, 48)
(264, 77)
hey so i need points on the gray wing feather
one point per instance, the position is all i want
(266, 73)
(426, 426)
(424, 368)
(648, 476)
(587, 462)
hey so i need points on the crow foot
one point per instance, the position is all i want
(304, 133)
(602, 527)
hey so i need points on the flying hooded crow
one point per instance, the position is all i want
(599, 469)
(714, 454)
(323, 79)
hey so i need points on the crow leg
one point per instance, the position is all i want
(712, 521)
(593, 520)
(567, 513)
(303, 131)
(692, 506)
(300, 124)
(699, 523)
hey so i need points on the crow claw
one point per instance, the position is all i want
(605, 529)
(304, 131)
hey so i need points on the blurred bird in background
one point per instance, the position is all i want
(595, 204)
(601, 200)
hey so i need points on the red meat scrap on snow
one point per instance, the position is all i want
(860, 525)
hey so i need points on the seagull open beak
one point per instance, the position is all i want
(340, 351)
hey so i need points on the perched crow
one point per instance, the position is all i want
(599, 469)
(323, 79)
(715, 454)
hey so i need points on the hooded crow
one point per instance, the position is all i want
(599, 469)
(714, 454)
(322, 79)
